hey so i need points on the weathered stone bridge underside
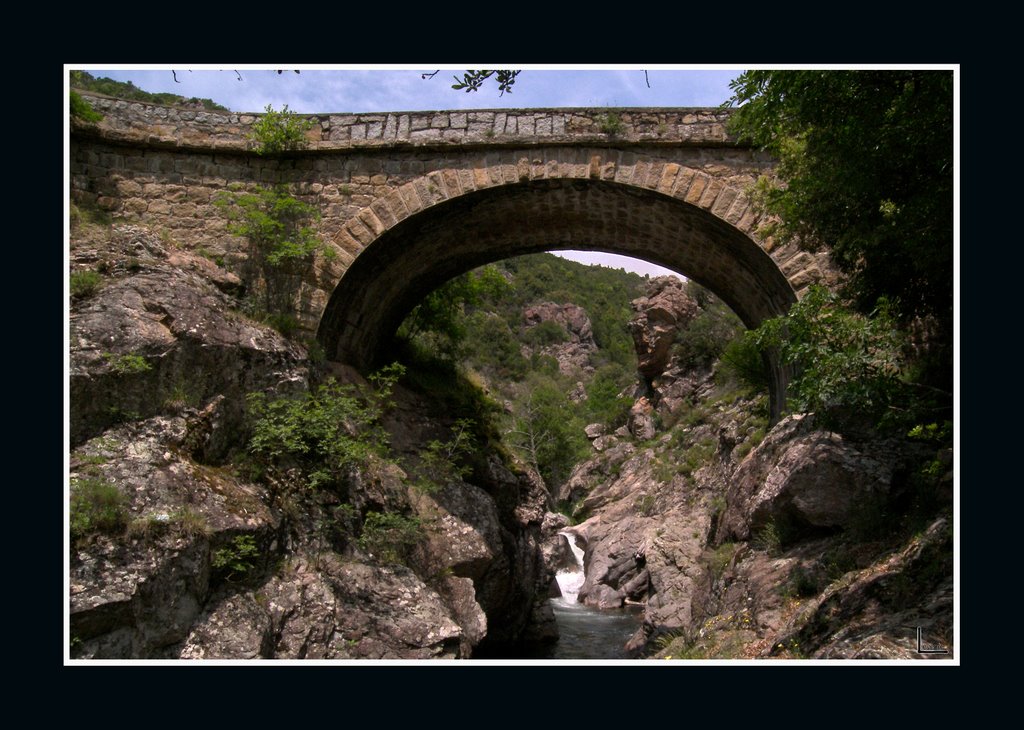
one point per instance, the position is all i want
(412, 199)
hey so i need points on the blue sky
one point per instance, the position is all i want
(344, 89)
(380, 88)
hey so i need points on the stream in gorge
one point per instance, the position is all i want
(585, 632)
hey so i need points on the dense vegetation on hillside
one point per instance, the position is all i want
(128, 90)
(476, 322)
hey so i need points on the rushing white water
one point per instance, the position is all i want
(570, 581)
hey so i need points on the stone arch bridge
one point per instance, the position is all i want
(411, 199)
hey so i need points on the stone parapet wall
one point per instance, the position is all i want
(154, 124)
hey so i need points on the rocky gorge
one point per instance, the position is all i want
(739, 538)
(179, 552)
(745, 540)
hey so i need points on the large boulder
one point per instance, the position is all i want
(801, 477)
(641, 420)
(665, 308)
(333, 609)
(572, 317)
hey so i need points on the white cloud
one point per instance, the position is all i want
(616, 261)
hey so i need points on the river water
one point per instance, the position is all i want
(584, 632)
(587, 633)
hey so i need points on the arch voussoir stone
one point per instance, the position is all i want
(396, 204)
(668, 178)
(413, 203)
(739, 207)
(440, 188)
(723, 203)
(684, 178)
(358, 230)
(369, 218)
(383, 212)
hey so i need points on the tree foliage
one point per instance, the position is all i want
(476, 320)
(282, 240)
(702, 341)
(389, 537)
(320, 434)
(439, 320)
(545, 430)
(236, 559)
(847, 366)
(865, 168)
(81, 109)
(608, 396)
(443, 462)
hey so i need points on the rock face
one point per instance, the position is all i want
(743, 541)
(658, 316)
(137, 595)
(571, 316)
(802, 478)
(335, 610)
(161, 332)
(205, 562)
(641, 420)
(778, 553)
(874, 613)
(574, 353)
(644, 538)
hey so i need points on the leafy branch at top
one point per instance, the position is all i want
(473, 80)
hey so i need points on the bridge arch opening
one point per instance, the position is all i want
(412, 258)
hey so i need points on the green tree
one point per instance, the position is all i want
(848, 367)
(604, 404)
(318, 435)
(865, 168)
(389, 537)
(493, 348)
(545, 429)
(544, 333)
(128, 90)
(81, 109)
(438, 322)
(701, 342)
(282, 241)
(443, 462)
(236, 559)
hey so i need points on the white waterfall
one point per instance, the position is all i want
(570, 581)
